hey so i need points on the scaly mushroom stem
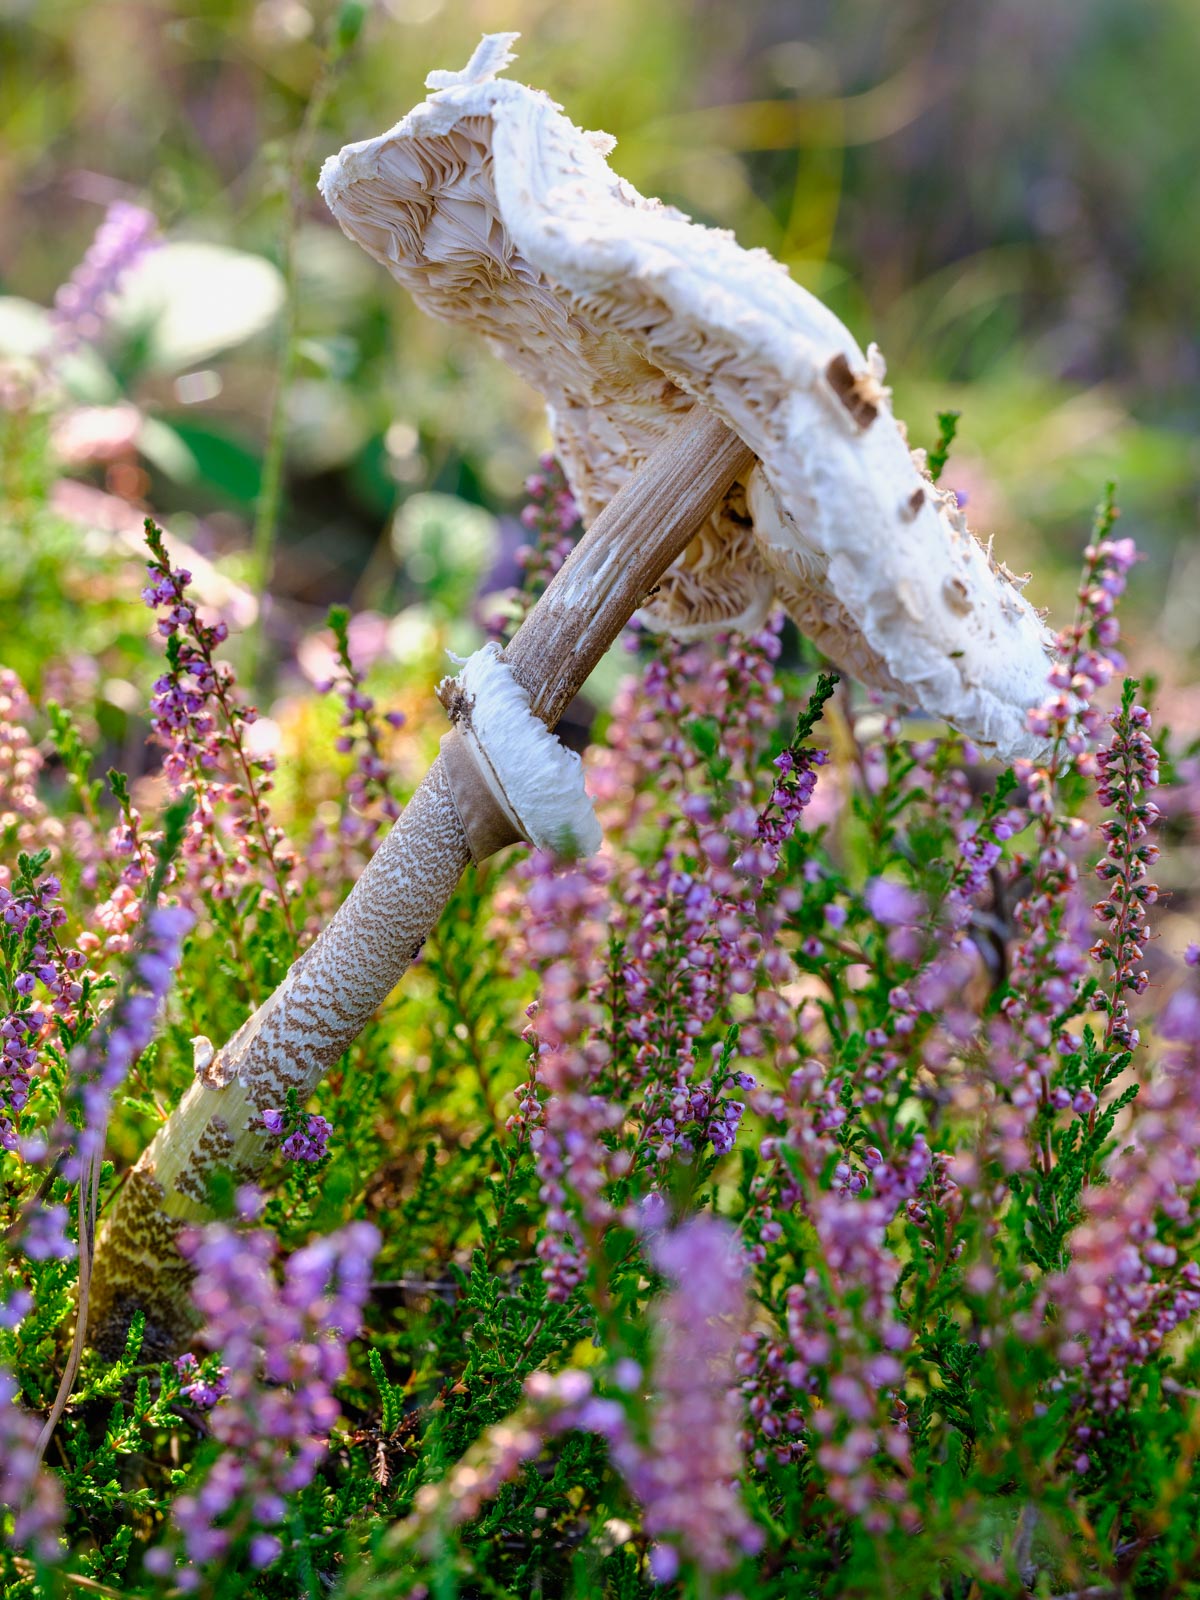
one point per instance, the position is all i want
(328, 995)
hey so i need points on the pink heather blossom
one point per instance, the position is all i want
(282, 1345)
(1128, 1286)
(368, 802)
(33, 1494)
(1051, 954)
(686, 1478)
(202, 726)
(1127, 768)
(843, 1330)
(891, 903)
(20, 765)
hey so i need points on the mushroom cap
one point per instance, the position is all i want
(494, 210)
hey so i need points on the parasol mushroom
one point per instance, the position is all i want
(494, 211)
(671, 360)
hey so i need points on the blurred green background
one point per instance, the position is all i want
(1003, 195)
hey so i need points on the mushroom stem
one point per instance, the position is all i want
(626, 551)
(331, 991)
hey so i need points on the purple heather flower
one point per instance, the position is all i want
(664, 1563)
(368, 802)
(283, 1346)
(15, 1309)
(696, 930)
(627, 1374)
(264, 1548)
(686, 1480)
(891, 903)
(1180, 1020)
(308, 1142)
(202, 727)
(101, 1064)
(34, 1494)
(82, 304)
(45, 1234)
(202, 1391)
(552, 517)
(685, 1474)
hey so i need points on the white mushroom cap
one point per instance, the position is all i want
(494, 210)
(533, 778)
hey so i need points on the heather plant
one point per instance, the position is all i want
(798, 1197)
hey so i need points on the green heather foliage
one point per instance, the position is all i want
(802, 1197)
(827, 994)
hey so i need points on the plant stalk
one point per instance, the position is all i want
(332, 990)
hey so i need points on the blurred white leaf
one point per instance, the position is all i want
(24, 327)
(192, 300)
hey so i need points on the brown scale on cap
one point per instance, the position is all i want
(913, 504)
(859, 392)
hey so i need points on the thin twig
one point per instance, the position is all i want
(88, 1206)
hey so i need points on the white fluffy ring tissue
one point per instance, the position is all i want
(532, 776)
